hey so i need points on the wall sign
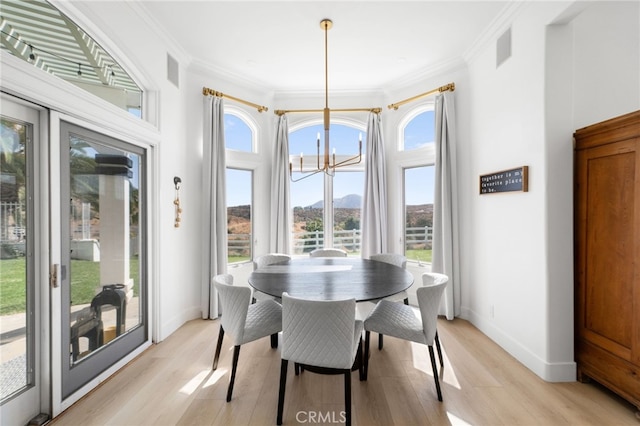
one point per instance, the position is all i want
(505, 181)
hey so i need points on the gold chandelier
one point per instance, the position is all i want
(329, 165)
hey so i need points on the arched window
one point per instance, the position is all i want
(240, 135)
(417, 158)
(418, 129)
(321, 201)
(239, 130)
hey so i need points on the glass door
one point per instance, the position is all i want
(104, 313)
(20, 291)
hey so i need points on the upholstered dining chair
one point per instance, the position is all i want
(243, 321)
(401, 321)
(328, 252)
(266, 260)
(321, 336)
(400, 261)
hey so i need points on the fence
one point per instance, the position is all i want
(304, 242)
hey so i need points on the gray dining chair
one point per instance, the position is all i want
(400, 261)
(321, 336)
(266, 260)
(243, 321)
(328, 252)
(401, 321)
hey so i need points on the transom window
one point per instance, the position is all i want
(419, 130)
(239, 135)
(38, 33)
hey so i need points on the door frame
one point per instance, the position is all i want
(59, 402)
(38, 165)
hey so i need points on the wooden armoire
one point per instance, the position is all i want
(607, 254)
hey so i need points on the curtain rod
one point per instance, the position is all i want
(447, 87)
(285, 111)
(206, 91)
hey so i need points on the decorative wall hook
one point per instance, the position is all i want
(176, 202)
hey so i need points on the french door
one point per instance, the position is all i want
(23, 266)
(103, 257)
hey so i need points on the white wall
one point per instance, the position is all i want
(517, 248)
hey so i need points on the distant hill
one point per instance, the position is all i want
(351, 201)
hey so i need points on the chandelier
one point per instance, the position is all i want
(329, 164)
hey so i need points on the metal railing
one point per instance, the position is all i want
(303, 242)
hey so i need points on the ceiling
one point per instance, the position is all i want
(275, 44)
(280, 44)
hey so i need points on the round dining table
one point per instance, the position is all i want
(331, 278)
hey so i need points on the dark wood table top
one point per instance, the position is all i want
(331, 278)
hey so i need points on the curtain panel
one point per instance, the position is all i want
(280, 229)
(374, 207)
(446, 258)
(214, 215)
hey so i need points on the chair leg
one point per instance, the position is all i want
(283, 385)
(232, 379)
(435, 372)
(347, 396)
(367, 337)
(274, 340)
(380, 342)
(439, 350)
(218, 348)
(360, 360)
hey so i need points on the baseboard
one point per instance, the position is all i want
(548, 371)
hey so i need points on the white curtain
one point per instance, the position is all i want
(214, 215)
(374, 208)
(445, 215)
(280, 241)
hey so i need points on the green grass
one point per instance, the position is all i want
(419, 255)
(84, 278)
(85, 275)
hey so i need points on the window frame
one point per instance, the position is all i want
(418, 157)
(310, 161)
(247, 161)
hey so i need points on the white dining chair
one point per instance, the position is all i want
(328, 252)
(401, 321)
(321, 336)
(266, 260)
(243, 321)
(400, 261)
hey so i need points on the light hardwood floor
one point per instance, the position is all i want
(172, 384)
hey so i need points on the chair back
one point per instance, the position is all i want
(328, 252)
(429, 296)
(319, 332)
(270, 259)
(392, 258)
(235, 305)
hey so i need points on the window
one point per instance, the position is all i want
(239, 215)
(419, 130)
(41, 35)
(238, 134)
(417, 156)
(321, 201)
(418, 212)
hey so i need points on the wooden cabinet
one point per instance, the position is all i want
(607, 254)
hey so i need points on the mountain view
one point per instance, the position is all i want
(309, 218)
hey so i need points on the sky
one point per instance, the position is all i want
(419, 181)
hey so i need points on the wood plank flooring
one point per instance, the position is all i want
(172, 384)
